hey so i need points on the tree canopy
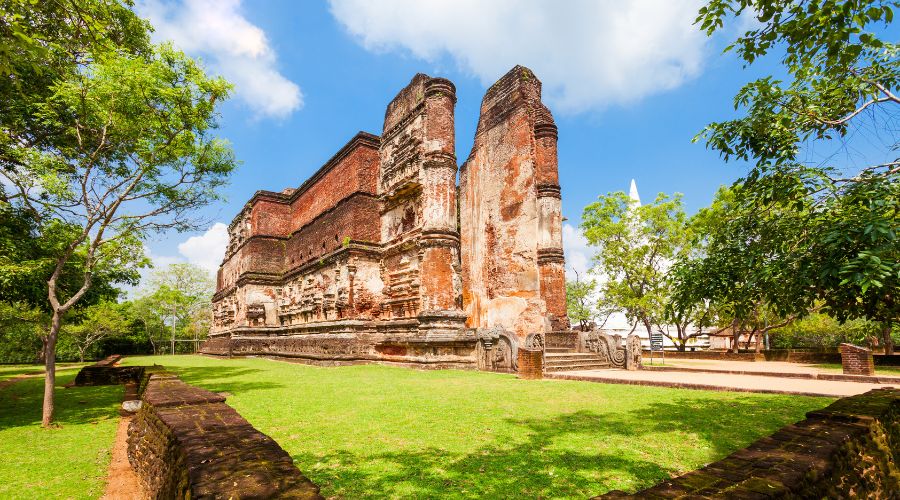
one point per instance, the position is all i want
(832, 227)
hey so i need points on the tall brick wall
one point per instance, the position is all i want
(510, 220)
(372, 240)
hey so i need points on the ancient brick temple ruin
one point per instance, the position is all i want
(380, 256)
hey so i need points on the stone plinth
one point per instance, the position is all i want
(857, 360)
(531, 363)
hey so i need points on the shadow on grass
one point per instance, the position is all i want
(543, 464)
(223, 378)
(21, 403)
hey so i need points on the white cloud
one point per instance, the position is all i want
(588, 53)
(217, 31)
(208, 249)
(575, 247)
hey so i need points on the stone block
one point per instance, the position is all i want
(857, 360)
(531, 363)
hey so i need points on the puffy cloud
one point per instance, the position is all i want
(588, 53)
(208, 249)
(217, 31)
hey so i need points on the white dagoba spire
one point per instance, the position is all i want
(633, 194)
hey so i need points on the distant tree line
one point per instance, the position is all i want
(173, 305)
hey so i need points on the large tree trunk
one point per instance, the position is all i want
(886, 338)
(50, 365)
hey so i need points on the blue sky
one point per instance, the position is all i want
(630, 84)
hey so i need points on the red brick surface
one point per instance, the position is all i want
(857, 360)
(531, 363)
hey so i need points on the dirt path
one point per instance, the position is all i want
(18, 378)
(121, 481)
(721, 382)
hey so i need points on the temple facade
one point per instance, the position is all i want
(381, 256)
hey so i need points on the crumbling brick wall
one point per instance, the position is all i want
(372, 240)
(857, 360)
(510, 220)
(185, 442)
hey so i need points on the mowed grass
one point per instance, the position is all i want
(69, 461)
(376, 431)
(887, 371)
(11, 371)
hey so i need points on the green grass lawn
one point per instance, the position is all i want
(376, 431)
(888, 371)
(12, 371)
(69, 461)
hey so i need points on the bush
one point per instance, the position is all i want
(820, 331)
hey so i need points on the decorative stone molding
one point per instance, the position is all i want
(620, 353)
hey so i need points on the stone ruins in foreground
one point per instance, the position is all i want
(380, 256)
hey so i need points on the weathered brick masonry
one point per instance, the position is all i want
(374, 259)
(185, 442)
(857, 360)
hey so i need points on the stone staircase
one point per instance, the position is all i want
(558, 359)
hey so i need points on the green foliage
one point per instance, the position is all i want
(579, 306)
(181, 292)
(99, 321)
(839, 247)
(635, 245)
(44, 42)
(21, 331)
(396, 433)
(822, 331)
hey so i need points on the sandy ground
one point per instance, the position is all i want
(722, 382)
(121, 481)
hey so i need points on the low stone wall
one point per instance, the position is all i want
(105, 372)
(886, 359)
(185, 442)
(811, 356)
(336, 349)
(857, 360)
(851, 449)
(716, 355)
(788, 355)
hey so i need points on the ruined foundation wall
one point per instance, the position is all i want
(510, 220)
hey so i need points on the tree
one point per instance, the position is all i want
(181, 293)
(636, 245)
(741, 268)
(841, 81)
(578, 302)
(138, 157)
(42, 43)
(99, 321)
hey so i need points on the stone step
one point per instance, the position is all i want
(549, 350)
(569, 355)
(582, 366)
(570, 362)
